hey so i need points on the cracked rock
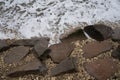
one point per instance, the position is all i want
(16, 54)
(33, 67)
(92, 49)
(99, 32)
(67, 65)
(101, 69)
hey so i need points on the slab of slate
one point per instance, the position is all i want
(116, 53)
(116, 34)
(33, 67)
(40, 47)
(29, 42)
(61, 51)
(101, 69)
(3, 45)
(16, 54)
(73, 35)
(99, 32)
(67, 65)
(92, 49)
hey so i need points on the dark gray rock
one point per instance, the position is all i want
(116, 34)
(116, 53)
(101, 69)
(67, 65)
(33, 67)
(40, 47)
(16, 54)
(28, 42)
(3, 45)
(99, 32)
(92, 49)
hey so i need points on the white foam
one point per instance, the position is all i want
(30, 18)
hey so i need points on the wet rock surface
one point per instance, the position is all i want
(101, 69)
(92, 49)
(116, 34)
(16, 54)
(3, 45)
(29, 42)
(99, 32)
(34, 67)
(67, 65)
(116, 53)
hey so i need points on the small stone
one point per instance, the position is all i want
(116, 34)
(99, 32)
(3, 45)
(29, 42)
(93, 49)
(101, 69)
(33, 67)
(40, 47)
(60, 51)
(67, 65)
(116, 53)
(16, 54)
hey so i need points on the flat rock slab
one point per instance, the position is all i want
(28, 42)
(92, 49)
(33, 67)
(73, 35)
(67, 65)
(16, 54)
(116, 34)
(99, 32)
(3, 45)
(61, 51)
(101, 69)
(41, 46)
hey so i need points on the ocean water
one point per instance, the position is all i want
(51, 18)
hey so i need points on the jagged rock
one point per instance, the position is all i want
(101, 69)
(116, 34)
(92, 49)
(16, 54)
(67, 65)
(99, 32)
(60, 51)
(116, 53)
(3, 45)
(40, 47)
(33, 67)
(73, 35)
(29, 42)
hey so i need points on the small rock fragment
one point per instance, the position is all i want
(101, 69)
(92, 49)
(40, 47)
(33, 67)
(60, 51)
(3, 45)
(28, 42)
(99, 32)
(16, 54)
(67, 65)
(116, 34)
(116, 53)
